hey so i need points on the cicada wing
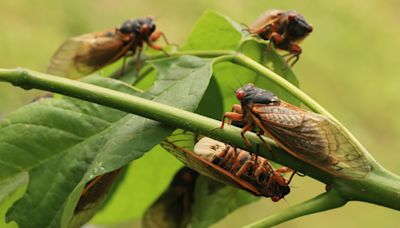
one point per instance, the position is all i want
(205, 167)
(82, 55)
(315, 139)
(267, 18)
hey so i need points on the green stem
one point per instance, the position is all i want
(379, 187)
(163, 113)
(326, 201)
(204, 54)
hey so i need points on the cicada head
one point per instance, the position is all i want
(279, 192)
(297, 26)
(248, 95)
(142, 27)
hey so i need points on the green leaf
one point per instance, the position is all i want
(70, 141)
(214, 200)
(147, 178)
(17, 193)
(213, 31)
(262, 52)
(212, 103)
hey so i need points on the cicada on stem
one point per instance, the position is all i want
(313, 138)
(232, 166)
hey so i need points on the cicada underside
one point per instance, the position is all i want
(232, 166)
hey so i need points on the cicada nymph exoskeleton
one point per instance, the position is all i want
(311, 137)
(84, 54)
(285, 29)
(232, 166)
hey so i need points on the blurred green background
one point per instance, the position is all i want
(350, 64)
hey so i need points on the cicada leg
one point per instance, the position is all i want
(154, 37)
(263, 168)
(276, 38)
(237, 162)
(280, 179)
(244, 167)
(294, 53)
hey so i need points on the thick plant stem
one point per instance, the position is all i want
(379, 187)
(163, 113)
(326, 201)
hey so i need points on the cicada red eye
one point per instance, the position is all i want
(240, 94)
(275, 198)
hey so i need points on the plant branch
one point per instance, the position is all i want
(326, 201)
(379, 187)
(163, 113)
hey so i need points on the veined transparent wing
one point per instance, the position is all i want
(313, 138)
(82, 55)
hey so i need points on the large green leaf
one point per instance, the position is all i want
(212, 104)
(264, 53)
(213, 31)
(64, 143)
(147, 177)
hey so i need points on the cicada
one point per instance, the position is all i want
(311, 137)
(84, 54)
(285, 29)
(173, 207)
(96, 190)
(234, 166)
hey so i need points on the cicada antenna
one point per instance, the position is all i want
(287, 202)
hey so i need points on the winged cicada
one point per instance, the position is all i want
(311, 137)
(232, 166)
(87, 53)
(285, 29)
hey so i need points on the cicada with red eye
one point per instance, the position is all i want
(285, 29)
(84, 54)
(233, 166)
(311, 137)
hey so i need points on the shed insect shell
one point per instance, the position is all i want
(311, 137)
(84, 54)
(235, 167)
(285, 29)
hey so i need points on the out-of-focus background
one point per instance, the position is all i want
(350, 64)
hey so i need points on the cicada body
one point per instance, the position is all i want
(84, 54)
(285, 29)
(173, 207)
(233, 166)
(311, 137)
